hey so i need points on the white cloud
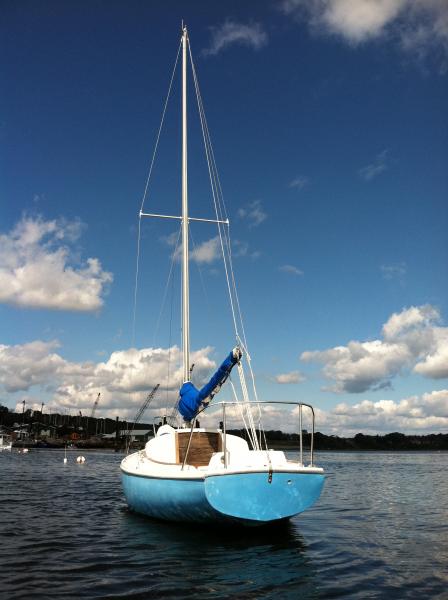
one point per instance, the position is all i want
(290, 269)
(411, 340)
(292, 377)
(421, 415)
(207, 252)
(435, 365)
(24, 366)
(299, 182)
(354, 20)
(172, 239)
(427, 413)
(418, 27)
(253, 213)
(231, 33)
(37, 268)
(375, 168)
(126, 377)
(123, 379)
(409, 318)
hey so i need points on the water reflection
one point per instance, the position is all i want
(221, 561)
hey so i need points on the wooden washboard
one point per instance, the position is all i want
(203, 445)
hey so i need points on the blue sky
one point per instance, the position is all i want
(329, 125)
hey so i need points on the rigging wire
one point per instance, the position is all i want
(213, 186)
(221, 213)
(165, 292)
(224, 237)
(218, 199)
(137, 267)
(146, 191)
(169, 340)
(160, 128)
(201, 277)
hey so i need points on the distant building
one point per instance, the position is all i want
(138, 435)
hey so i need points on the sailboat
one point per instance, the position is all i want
(189, 473)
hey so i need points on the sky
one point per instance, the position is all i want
(329, 126)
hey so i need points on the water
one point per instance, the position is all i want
(380, 530)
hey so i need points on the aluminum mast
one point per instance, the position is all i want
(185, 274)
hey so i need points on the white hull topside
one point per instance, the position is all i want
(160, 459)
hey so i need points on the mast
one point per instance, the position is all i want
(185, 274)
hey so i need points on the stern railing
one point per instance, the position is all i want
(251, 405)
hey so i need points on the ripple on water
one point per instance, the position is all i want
(380, 529)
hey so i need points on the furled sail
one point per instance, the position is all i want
(191, 398)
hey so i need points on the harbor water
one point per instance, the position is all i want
(380, 530)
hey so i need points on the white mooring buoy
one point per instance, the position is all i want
(81, 459)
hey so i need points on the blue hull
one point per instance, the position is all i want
(246, 498)
(168, 499)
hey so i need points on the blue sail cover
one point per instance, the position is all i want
(191, 398)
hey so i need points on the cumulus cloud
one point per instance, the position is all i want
(291, 377)
(435, 365)
(39, 270)
(123, 379)
(418, 27)
(291, 269)
(39, 371)
(27, 365)
(375, 168)
(253, 213)
(408, 319)
(424, 414)
(232, 33)
(411, 341)
(354, 20)
(427, 413)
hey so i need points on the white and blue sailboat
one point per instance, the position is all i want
(205, 474)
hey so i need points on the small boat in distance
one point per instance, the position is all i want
(206, 474)
(5, 441)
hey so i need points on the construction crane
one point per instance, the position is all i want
(139, 415)
(95, 404)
